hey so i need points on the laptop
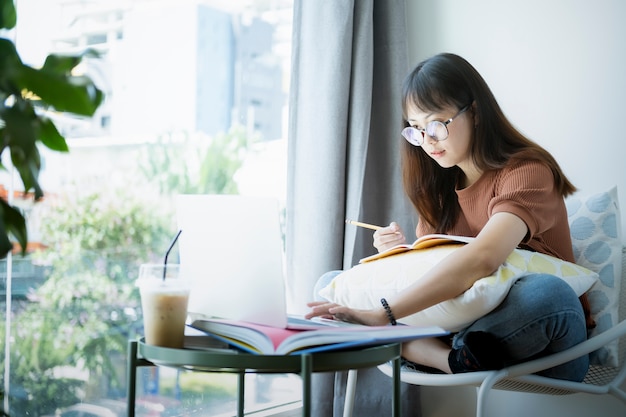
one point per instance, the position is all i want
(231, 249)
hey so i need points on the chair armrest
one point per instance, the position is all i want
(586, 347)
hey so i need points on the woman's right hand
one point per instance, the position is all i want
(388, 237)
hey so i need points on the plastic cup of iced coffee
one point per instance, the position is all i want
(164, 299)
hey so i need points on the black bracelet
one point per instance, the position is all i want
(390, 316)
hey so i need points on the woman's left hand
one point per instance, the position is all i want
(334, 311)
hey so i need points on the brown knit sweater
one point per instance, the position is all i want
(527, 190)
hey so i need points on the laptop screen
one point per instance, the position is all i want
(231, 250)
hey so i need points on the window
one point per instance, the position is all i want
(196, 96)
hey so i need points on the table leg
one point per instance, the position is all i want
(396, 401)
(306, 368)
(131, 377)
(241, 393)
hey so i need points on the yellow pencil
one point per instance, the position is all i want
(361, 224)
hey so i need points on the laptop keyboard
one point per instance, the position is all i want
(317, 321)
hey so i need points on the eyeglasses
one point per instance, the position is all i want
(435, 129)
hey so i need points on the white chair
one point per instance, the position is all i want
(599, 379)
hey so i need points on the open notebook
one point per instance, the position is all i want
(231, 248)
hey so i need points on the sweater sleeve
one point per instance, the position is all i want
(527, 190)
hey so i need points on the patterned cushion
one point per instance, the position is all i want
(596, 239)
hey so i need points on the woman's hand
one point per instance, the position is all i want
(388, 237)
(333, 311)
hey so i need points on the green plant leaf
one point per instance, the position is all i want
(21, 137)
(12, 222)
(60, 64)
(10, 63)
(76, 95)
(28, 168)
(8, 16)
(19, 127)
(5, 244)
(51, 137)
(64, 64)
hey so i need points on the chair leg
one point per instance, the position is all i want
(483, 390)
(618, 393)
(348, 405)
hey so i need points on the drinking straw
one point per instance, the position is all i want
(167, 253)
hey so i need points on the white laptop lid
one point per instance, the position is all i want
(231, 250)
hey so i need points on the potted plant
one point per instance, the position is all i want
(27, 94)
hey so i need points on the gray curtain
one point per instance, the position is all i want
(348, 62)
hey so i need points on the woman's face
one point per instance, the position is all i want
(455, 150)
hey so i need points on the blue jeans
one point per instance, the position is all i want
(540, 315)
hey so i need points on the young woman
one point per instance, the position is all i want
(469, 172)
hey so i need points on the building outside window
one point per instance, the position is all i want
(196, 102)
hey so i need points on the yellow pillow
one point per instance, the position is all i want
(364, 285)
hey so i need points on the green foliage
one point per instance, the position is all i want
(201, 390)
(24, 89)
(33, 363)
(26, 93)
(105, 233)
(2, 413)
(221, 161)
(8, 18)
(218, 385)
(81, 318)
(64, 391)
(191, 166)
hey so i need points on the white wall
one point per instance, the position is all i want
(558, 69)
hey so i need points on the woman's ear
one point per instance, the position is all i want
(475, 113)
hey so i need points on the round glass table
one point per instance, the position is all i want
(233, 361)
